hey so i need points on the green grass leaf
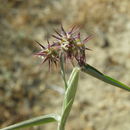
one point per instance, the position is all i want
(34, 122)
(97, 74)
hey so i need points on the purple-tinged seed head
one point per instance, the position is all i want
(69, 44)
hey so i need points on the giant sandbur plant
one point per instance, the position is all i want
(67, 46)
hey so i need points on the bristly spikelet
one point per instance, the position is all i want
(49, 53)
(69, 44)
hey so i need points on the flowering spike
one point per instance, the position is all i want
(39, 54)
(58, 33)
(88, 38)
(55, 63)
(55, 44)
(56, 37)
(75, 30)
(45, 60)
(88, 49)
(72, 29)
(49, 46)
(49, 64)
(78, 35)
(68, 43)
(63, 30)
(40, 45)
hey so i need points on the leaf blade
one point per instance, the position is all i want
(34, 122)
(97, 74)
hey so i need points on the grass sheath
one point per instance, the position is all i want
(69, 97)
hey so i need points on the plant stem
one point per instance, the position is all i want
(63, 71)
(61, 127)
(69, 97)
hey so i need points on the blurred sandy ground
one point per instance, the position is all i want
(26, 86)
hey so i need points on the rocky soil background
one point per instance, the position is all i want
(28, 89)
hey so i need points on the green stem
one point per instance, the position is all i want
(63, 71)
(61, 126)
(69, 97)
